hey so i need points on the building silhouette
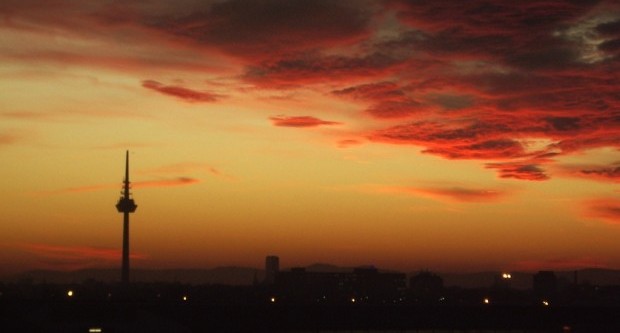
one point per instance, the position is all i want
(426, 286)
(362, 285)
(126, 205)
(272, 267)
(545, 284)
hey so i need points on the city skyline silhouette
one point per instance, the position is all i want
(449, 136)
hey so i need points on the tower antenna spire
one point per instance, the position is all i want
(126, 182)
(126, 205)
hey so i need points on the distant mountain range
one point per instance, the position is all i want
(247, 275)
(218, 275)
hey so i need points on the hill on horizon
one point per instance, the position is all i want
(219, 275)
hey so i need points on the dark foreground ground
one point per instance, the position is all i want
(85, 316)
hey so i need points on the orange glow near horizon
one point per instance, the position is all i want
(342, 133)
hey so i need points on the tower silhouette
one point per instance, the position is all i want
(126, 205)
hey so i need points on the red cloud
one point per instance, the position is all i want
(180, 92)
(74, 257)
(462, 194)
(388, 100)
(607, 209)
(6, 139)
(458, 194)
(179, 181)
(476, 140)
(348, 143)
(608, 173)
(461, 79)
(519, 170)
(605, 173)
(300, 121)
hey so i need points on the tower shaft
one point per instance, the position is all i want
(125, 265)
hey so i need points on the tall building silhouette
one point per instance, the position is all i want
(126, 205)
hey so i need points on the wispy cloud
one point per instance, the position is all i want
(460, 194)
(559, 264)
(168, 182)
(346, 143)
(605, 209)
(300, 121)
(604, 173)
(7, 139)
(186, 94)
(188, 167)
(179, 181)
(519, 170)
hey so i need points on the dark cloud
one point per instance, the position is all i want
(387, 99)
(262, 29)
(312, 68)
(394, 109)
(609, 28)
(378, 91)
(490, 149)
(611, 172)
(521, 171)
(518, 33)
(605, 173)
(186, 94)
(610, 45)
(452, 102)
(300, 121)
(564, 123)
(448, 193)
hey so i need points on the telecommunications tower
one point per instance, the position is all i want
(126, 205)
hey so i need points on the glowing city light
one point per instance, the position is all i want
(184, 298)
(545, 303)
(353, 300)
(95, 330)
(70, 293)
(273, 300)
(486, 301)
(506, 276)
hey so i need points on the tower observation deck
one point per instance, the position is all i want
(126, 205)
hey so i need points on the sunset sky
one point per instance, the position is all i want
(442, 135)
